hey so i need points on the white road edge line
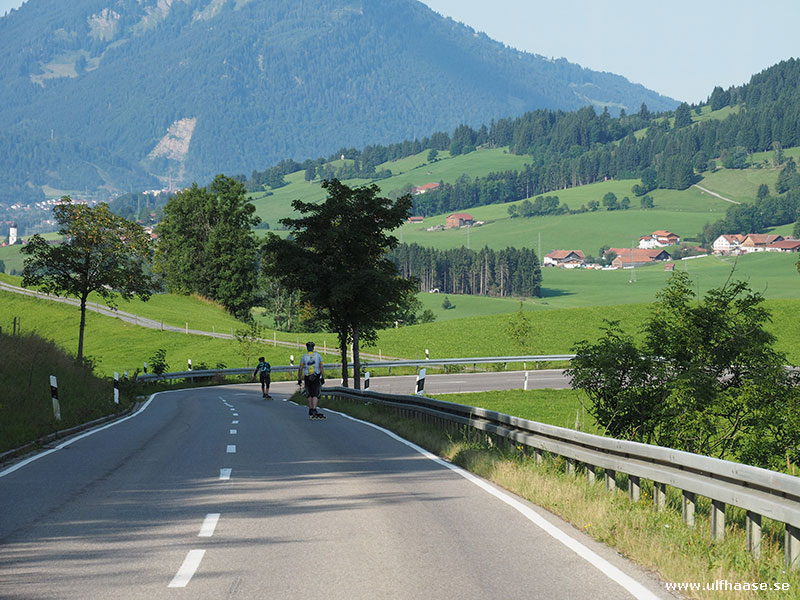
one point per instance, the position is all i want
(209, 525)
(225, 474)
(605, 567)
(188, 569)
(63, 445)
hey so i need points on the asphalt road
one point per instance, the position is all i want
(217, 493)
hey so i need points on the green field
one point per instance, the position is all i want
(683, 212)
(555, 407)
(740, 185)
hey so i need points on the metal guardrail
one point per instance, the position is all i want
(364, 365)
(759, 491)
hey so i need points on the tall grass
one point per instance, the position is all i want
(26, 409)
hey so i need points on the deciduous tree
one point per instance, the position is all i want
(206, 245)
(100, 253)
(337, 258)
(706, 379)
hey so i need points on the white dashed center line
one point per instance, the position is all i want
(209, 525)
(188, 569)
(231, 449)
(233, 432)
(225, 474)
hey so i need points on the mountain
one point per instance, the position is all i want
(118, 94)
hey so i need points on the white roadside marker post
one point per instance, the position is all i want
(54, 396)
(420, 383)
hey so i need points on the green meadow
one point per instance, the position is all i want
(683, 212)
(555, 407)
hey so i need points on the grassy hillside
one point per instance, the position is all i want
(684, 212)
(412, 170)
(118, 346)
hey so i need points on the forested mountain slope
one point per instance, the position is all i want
(118, 92)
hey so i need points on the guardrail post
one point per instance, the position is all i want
(753, 528)
(570, 466)
(791, 544)
(634, 488)
(591, 475)
(660, 496)
(611, 480)
(538, 455)
(687, 508)
(717, 520)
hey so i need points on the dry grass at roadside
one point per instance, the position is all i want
(657, 540)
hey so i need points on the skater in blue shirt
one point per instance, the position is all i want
(263, 368)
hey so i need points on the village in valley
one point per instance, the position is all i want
(651, 250)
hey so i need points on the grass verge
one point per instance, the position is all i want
(26, 409)
(657, 540)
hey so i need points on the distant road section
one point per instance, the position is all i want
(715, 194)
(151, 323)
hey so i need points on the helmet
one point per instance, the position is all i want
(309, 346)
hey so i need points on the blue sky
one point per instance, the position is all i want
(679, 48)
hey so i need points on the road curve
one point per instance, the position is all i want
(217, 493)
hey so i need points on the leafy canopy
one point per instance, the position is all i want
(337, 259)
(101, 253)
(206, 245)
(706, 378)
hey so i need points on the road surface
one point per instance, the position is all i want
(217, 493)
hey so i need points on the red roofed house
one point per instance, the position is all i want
(424, 188)
(569, 259)
(726, 243)
(416, 219)
(758, 242)
(659, 239)
(787, 245)
(637, 257)
(459, 220)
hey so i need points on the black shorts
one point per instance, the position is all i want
(313, 386)
(265, 378)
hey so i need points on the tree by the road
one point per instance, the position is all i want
(706, 378)
(101, 253)
(337, 259)
(206, 245)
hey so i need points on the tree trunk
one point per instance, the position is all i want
(356, 360)
(82, 326)
(343, 352)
